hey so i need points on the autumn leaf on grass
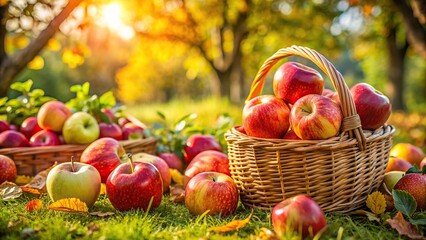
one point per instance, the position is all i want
(403, 227)
(22, 180)
(177, 192)
(9, 191)
(376, 202)
(232, 226)
(371, 216)
(34, 205)
(69, 205)
(38, 184)
(177, 177)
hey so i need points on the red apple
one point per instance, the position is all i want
(13, 127)
(241, 129)
(109, 113)
(207, 161)
(266, 116)
(111, 130)
(52, 115)
(159, 163)
(29, 127)
(132, 131)
(408, 152)
(133, 187)
(198, 143)
(294, 80)
(44, 138)
(104, 154)
(212, 191)
(8, 169)
(122, 121)
(315, 117)
(4, 126)
(397, 164)
(291, 135)
(172, 160)
(372, 106)
(415, 185)
(300, 214)
(332, 95)
(12, 138)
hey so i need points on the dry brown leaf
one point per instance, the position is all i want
(390, 205)
(69, 205)
(9, 191)
(177, 177)
(177, 192)
(404, 227)
(22, 180)
(38, 184)
(34, 205)
(102, 214)
(234, 225)
(376, 202)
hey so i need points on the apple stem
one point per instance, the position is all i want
(132, 166)
(72, 163)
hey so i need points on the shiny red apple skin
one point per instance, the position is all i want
(122, 121)
(198, 143)
(111, 130)
(44, 138)
(315, 117)
(415, 185)
(397, 164)
(372, 106)
(127, 190)
(52, 115)
(132, 131)
(173, 161)
(29, 127)
(7, 169)
(213, 191)
(298, 213)
(4, 126)
(291, 135)
(13, 138)
(207, 161)
(294, 80)
(266, 116)
(159, 163)
(104, 154)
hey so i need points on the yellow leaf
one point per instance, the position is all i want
(177, 177)
(34, 205)
(22, 180)
(71, 58)
(103, 189)
(53, 45)
(376, 202)
(232, 226)
(69, 205)
(37, 63)
(38, 184)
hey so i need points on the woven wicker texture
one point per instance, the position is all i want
(31, 160)
(338, 173)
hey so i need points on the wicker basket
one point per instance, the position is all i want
(31, 160)
(338, 173)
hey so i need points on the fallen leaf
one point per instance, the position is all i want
(177, 177)
(22, 180)
(376, 202)
(266, 234)
(38, 184)
(371, 216)
(389, 202)
(403, 227)
(34, 205)
(9, 191)
(177, 192)
(232, 226)
(69, 205)
(103, 189)
(102, 214)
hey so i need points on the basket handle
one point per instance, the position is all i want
(351, 122)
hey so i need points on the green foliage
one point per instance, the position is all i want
(404, 202)
(25, 105)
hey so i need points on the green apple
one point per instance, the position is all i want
(391, 178)
(74, 180)
(80, 128)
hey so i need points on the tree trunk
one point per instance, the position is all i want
(11, 66)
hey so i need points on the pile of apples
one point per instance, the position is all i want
(56, 124)
(302, 109)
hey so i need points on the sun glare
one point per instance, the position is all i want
(112, 16)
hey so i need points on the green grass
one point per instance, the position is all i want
(168, 221)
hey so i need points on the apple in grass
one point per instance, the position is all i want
(415, 185)
(29, 127)
(104, 154)
(52, 115)
(12, 138)
(74, 180)
(80, 128)
(4, 126)
(372, 106)
(172, 160)
(159, 163)
(299, 214)
(207, 161)
(132, 131)
(294, 80)
(134, 186)
(198, 143)
(8, 169)
(44, 138)
(408, 152)
(266, 116)
(397, 164)
(211, 191)
(111, 130)
(315, 117)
